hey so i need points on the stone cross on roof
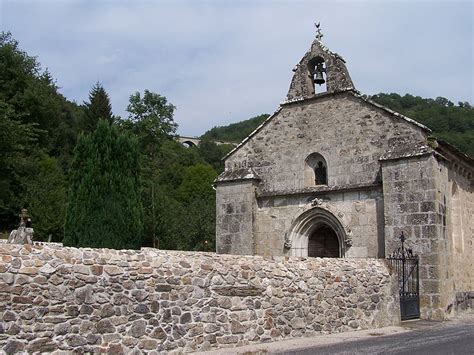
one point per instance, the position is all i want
(319, 34)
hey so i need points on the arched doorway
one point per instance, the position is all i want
(318, 233)
(323, 243)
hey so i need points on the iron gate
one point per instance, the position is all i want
(406, 265)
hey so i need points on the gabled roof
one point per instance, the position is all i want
(264, 123)
(408, 119)
(354, 92)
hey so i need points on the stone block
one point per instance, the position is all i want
(41, 345)
(113, 270)
(105, 326)
(137, 329)
(430, 286)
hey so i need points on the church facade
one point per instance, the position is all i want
(334, 174)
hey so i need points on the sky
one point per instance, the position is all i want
(221, 62)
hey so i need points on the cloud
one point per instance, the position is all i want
(220, 62)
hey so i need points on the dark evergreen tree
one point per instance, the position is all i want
(105, 208)
(35, 120)
(17, 143)
(97, 108)
(161, 176)
(198, 198)
(46, 198)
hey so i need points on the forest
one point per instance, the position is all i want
(91, 178)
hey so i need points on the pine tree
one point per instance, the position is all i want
(46, 197)
(98, 108)
(105, 208)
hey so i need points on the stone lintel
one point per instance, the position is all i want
(411, 152)
(236, 175)
(319, 190)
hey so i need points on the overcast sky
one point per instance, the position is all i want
(225, 61)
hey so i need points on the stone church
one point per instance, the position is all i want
(334, 174)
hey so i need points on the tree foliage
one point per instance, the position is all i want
(185, 215)
(46, 198)
(34, 119)
(213, 153)
(198, 197)
(17, 140)
(161, 178)
(105, 207)
(98, 108)
(151, 120)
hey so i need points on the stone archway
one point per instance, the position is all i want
(321, 230)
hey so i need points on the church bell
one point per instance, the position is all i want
(318, 74)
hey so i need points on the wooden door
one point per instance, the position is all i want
(323, 243)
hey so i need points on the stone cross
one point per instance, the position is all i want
(24, 233)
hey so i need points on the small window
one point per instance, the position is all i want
(320, 174)
(315, 170)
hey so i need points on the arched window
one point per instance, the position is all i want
(316, 172)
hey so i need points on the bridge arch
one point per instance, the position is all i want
(188, 144)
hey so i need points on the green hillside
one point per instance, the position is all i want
(235, 132)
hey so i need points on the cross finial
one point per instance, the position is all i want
(319, 34)
(23, 216)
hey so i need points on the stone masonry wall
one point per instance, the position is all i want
(456, 188)
(413, 205)
(235, 205)
(99, 300)
(361, 210)
(433, 206)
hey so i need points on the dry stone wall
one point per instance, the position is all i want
(98, 300)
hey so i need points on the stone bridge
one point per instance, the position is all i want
(194, 141)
